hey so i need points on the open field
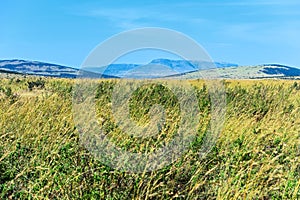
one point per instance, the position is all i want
(255, 157)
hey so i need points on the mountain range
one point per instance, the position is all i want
(158, 68)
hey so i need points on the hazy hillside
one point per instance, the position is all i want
(246, 72)
(37, 68)
(157, 68)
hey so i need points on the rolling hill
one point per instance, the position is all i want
(246, 72)
(36, 68)
(158, 68)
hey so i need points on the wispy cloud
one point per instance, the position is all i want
(122, 18)
(241, 3)
(263, 33)
(261, 3)
(113, 14)
(127, 18)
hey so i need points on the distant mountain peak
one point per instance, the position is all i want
(168, 67)
(157, 68)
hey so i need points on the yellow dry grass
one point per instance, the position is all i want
(256, 155)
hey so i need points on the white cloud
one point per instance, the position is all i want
(127, 18)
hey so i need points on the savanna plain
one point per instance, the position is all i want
(256, 155)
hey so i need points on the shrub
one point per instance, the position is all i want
(38, 84)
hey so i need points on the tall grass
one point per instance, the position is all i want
(256, 156)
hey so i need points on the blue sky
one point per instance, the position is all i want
(244, 32)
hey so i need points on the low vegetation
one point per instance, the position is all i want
(255, 157)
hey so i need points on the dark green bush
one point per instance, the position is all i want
(36, 84)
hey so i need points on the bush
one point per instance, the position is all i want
(8, 92)
(38, 84)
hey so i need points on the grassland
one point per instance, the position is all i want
(241, 72)
(255, 157)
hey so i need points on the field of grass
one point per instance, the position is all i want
(255, 157)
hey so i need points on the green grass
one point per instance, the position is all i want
(256, 155)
